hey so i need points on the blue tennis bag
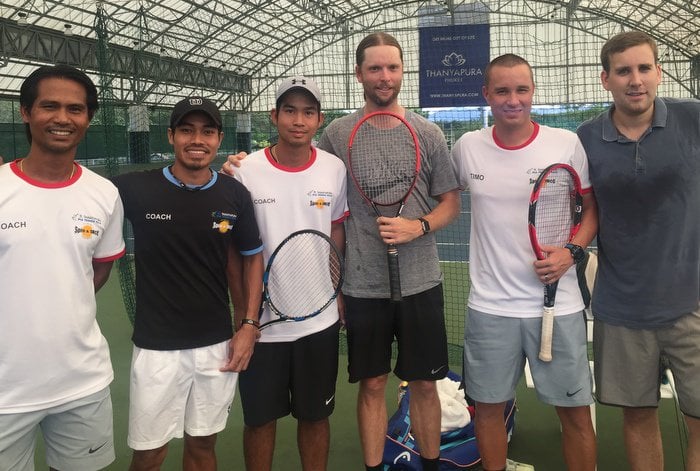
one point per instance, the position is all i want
(458, 448)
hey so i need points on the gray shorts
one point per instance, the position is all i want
(78, 435)
(628, 363)
(495, 349)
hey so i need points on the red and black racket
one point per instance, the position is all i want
(554, 217)
(384, 162)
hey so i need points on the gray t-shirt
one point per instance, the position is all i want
(648, 194)
(366, 263)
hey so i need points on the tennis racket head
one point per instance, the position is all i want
(556, 206)
(303, 276)
(384, 158)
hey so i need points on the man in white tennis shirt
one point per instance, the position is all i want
(499, 165)
(294, 367)
(61, 231)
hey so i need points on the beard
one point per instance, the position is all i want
(372, 96)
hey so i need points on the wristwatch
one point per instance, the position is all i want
(424, 225)
(252, 322)
(577, 252)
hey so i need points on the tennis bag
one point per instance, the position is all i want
(458, 448)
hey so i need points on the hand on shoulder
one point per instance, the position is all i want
(232, 161)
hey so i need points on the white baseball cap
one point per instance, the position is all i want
(298, 82)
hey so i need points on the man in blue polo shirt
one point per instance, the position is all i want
(644, 162)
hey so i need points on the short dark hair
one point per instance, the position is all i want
(376, 39)
(623, 41)
(29, 90)
(506, 60)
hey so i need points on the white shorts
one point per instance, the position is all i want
(77, 435)
(178, 391)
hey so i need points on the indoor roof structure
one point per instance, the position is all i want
(153, 52)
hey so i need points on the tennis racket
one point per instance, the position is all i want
(554, 217)
(384, 162)
(303, 276)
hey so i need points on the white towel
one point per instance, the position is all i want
(454, 406)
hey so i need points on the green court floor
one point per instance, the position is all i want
(536, 438)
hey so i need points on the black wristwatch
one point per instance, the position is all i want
(424, 225)
(577, 252)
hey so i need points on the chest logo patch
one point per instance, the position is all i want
(86, 231)
(319, 203)
(223, 222)
(320, 199)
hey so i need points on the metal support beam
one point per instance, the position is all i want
(42, 45)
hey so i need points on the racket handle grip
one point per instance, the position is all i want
(546, 335)
(392, 256)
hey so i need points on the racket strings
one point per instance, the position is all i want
(556, 209)
(304, 277)
(383, 159)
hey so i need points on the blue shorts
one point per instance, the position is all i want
(495, 349)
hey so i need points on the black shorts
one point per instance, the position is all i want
(291, 377)
(417, 323)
